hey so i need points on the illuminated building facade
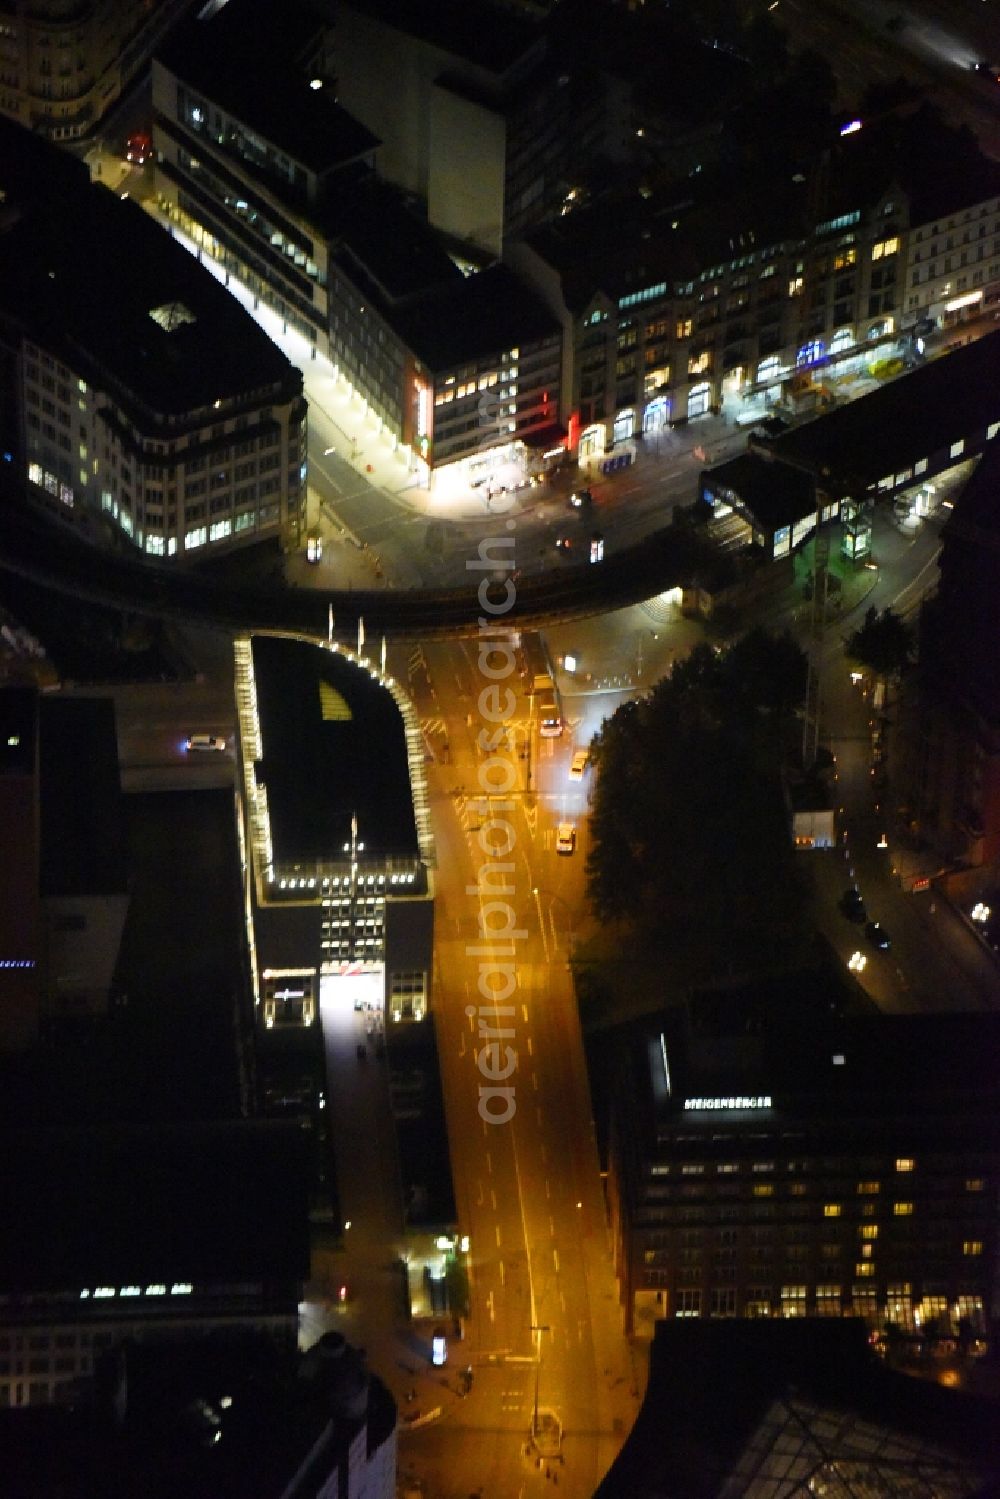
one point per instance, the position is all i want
(274, 180)
(62, 66)
(762, 1164)
(175, 424)
(735, 296)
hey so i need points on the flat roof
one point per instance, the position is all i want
(33, 169)
(84, 281)
(120, 1204)
(489, 36)
(910, 418)
(482, 314)
(334, 748)
(248, 57)
(383, 246)
(776, 494)
(82, 846)
(631, 241)
(783, 1040)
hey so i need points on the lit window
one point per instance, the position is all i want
(957, 448)
(904, 1164)
(690, 1170)
(865, 1268)
(869, 1231)
(727, 1168)
(831, 1210)
(763, 1165)
(845, 259)
(885, 247)
(902, 1209)
(763, 1189)
(866, 1251)
(868, 1189)
(974, 1184)
(795, 286)
(972, 1247)
(684, 327)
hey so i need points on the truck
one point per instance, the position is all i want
(543, 691)
(546, 710)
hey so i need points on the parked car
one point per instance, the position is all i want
(852, 905)
(202, 743)
(878, 936)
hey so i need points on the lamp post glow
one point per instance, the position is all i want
(538, 1329)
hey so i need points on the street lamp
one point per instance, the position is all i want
(538, 1328)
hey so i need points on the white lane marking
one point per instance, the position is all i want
(552, 1227)
(496, 1230)
(555, 1257)
(548, 1189)
(524, 1013)
(531, 1049)
(489, 1163)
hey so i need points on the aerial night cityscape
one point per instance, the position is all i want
(499, 749)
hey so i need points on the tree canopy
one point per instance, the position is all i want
(689, 832)
(884, 643)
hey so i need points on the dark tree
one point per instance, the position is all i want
(689, 835)
(884, 643)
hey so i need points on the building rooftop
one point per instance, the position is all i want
(954, 643)
(382, 246)
(250, 57)
(487, 35)
(86, 282)
(762, 1408)
(775, 494)
(487, 313)
(633, 241)
(120, 1204)
(790, 1042)
(82, 843)
(228, 1417)
(940, 169)
(34, 170)
(910, 418)
(334, 748)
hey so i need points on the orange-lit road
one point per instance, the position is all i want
(528, 1190)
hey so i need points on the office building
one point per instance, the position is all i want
(149, 404)
(232, 1414)
(149, 1232)
(710, 294)
(768, 1159)
(946, 760)
(478, 117)
(64, 876)
(63, 66)
(272, 178)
